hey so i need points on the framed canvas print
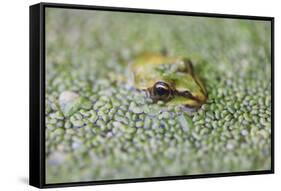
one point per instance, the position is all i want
(126, 95)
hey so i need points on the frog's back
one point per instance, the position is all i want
(144, 68)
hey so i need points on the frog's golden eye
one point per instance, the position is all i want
(161, 89)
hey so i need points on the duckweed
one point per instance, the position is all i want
(103, 128)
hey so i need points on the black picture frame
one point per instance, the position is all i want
(37, 94)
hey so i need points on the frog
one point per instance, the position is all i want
(170, 79)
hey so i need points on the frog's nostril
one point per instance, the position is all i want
(187, 94)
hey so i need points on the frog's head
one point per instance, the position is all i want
(178, 85)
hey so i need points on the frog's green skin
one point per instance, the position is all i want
(174, 77)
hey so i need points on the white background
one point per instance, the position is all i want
(14, 88)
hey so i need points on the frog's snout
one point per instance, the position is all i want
(199, 99)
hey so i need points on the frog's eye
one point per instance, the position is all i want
(161, 89)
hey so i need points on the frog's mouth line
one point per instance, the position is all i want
(187, 95)
(190, 96)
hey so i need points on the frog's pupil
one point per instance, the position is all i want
(161, 89)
